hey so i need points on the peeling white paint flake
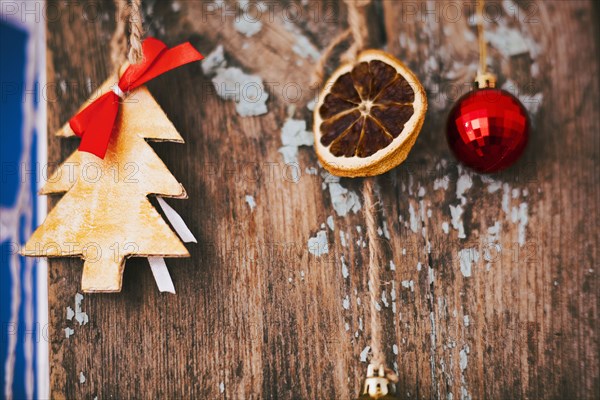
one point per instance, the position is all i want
(364, 354)
(305, 49)
(509, 41)
(523, 219)
(215, 60)
(294, 135)
(343, 241)
(445, 227)
(409, 284)
(386, 232)
(463, 358)
(441, 183)
(81, 377)
(457, 223)
(468, 258)
(431, 275)
(318, 245)
(464, 393)
(414, 219)
(395, 349)
(69, 332)
(331, 223)
(464, 183)
(345, 273)
(466, 320)
(311, 171)
(221, 387)
(247, 25)
(80, 316)
(392, 265)
(505, 198)
(343, 200)
(494, 186)
(494, 232)
(384, 299)
(70, 313)
(248, 91)
(532, 102)
(346, 302)
(251, 202)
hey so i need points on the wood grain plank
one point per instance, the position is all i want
(257, 315)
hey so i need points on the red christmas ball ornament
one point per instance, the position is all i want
(488, 128)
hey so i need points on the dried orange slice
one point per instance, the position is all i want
(368, 116)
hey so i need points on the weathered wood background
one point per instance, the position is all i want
(510, 310)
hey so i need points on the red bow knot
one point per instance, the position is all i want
(94, 124)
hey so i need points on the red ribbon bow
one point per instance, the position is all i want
(94, 124)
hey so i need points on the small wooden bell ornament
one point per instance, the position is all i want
(377, 385)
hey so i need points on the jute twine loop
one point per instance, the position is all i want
(357, 29)
(132, 14)
(136, 33)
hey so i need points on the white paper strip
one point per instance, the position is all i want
(161, 274)
(177, 222)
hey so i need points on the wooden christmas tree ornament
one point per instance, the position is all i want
(105, 215)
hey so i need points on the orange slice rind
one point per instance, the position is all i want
(368, 116)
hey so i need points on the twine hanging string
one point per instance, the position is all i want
(132, 14)
(370, 212)
(136, 33)
(358, 31)
(375, 259)
(481, 34)
(118, 42)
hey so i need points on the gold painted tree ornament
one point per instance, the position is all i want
(105, 216)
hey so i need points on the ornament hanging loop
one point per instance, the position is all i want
(357, 23)
(136, 33)
(484, 79)
(357, 31)
(130, 18)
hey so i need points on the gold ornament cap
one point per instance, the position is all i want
(485, 80)
(378, 386)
